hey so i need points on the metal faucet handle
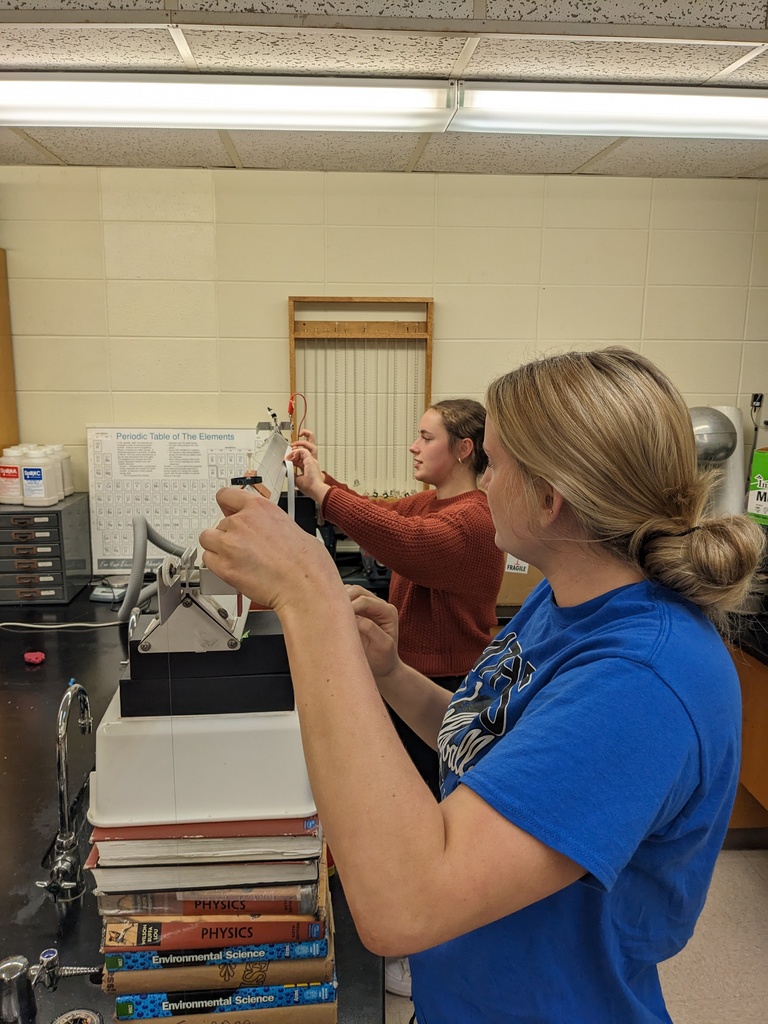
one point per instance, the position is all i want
(17, 1000)
(46, 970)
(56, 888)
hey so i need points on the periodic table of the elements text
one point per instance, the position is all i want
(167, 475)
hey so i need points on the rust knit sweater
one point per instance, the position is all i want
(446, 569)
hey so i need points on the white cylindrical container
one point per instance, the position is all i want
(66, 467)
(38, 479)
(58, 470)
(11, 491)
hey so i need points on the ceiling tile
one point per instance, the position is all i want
(14, 149)
(134, 147)
(757, 172)
(462, 152)
(683, 158)
(323, 53)
(339, 8)
(598, 61)
(325, 151)
(712, 14)
(45, 48)
(82, 5)
(754, 72)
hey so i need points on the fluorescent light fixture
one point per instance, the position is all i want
(225, 102)
(547, 109)
(29, 100)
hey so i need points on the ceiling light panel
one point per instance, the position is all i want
(224, 102)
(612, 110)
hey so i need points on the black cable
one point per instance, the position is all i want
(756, 425)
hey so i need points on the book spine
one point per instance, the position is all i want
(296, 899)
(248, 975)
(219, 874)
(150, 959)
(204, 932)
(269, 827)
(169, 1004)
(321, 1013)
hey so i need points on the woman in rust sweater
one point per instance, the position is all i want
(439, 544)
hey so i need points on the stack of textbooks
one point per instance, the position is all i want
(216, 922)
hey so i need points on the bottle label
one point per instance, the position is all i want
(10, 482)
(34, 485)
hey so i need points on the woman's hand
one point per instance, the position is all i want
(260, 551)
(377, 626)
(307, 441)
(309, 476)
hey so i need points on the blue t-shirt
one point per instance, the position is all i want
(611, 732)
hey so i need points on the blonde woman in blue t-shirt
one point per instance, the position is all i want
(590, 759)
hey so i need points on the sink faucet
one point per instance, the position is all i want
(19, 981)
(66, 882)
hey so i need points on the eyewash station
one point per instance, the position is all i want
(184, 712)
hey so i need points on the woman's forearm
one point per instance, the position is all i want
(417, 700)
(377, 812)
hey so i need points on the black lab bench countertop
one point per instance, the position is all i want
(29, 701)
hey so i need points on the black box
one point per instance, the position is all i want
(254, 678)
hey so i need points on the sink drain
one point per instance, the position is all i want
(79, 1017)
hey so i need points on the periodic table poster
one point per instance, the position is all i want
(168, 475)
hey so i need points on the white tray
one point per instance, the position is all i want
(198, 768)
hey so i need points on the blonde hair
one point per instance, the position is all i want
(613, 435)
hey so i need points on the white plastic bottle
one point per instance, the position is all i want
(66, 467)
(49, 453)
(11, 492)
(38, 479)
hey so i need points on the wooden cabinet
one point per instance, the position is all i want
(751, 808)
(9, 423)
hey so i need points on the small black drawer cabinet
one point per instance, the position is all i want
(45, 553)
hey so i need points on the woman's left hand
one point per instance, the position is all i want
(378, 628)
(309, 478)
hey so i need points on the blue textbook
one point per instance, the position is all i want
(171, 1004)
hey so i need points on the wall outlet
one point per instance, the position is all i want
(757, 400)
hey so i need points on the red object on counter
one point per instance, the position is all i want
(34, 657)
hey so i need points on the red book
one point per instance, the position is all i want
(124, 934)
(215, 841)
(308, 826)
(284, 899)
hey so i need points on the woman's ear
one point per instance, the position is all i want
(551, 504)
(464, 449)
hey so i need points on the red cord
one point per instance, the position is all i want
(292, 406)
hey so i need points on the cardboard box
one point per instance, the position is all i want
(519, 580)
(757, 497)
